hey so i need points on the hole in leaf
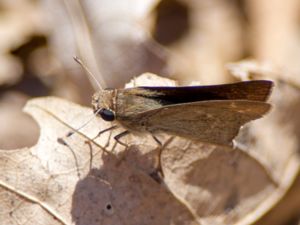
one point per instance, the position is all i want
(109, 209)
(172, 22)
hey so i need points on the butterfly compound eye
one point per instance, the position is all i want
(107, 114)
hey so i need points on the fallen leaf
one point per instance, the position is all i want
(197, 51)
(19, 21)
(17, 129)
(57, 184)
(84, 183)
(273, 35)
(275, 139)
(112, 38)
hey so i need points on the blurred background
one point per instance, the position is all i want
(186, 40)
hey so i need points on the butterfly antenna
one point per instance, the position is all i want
(84, 124)
(87, 71)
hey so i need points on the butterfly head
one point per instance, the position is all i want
(103, 103)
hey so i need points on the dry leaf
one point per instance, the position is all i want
(19, 21)
(274, 34)
(48, 181)
(111, 38)
(17, 129)
(275, 139)
(84, 183)
(258, 183)
(199, 52)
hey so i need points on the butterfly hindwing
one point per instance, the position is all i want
(208, 121)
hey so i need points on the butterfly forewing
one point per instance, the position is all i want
(257, 90)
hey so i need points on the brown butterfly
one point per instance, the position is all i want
(212, 114)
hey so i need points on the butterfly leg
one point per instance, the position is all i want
(158, 174)
(105, 130)
(119, 136)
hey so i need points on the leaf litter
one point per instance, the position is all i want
(84, 183)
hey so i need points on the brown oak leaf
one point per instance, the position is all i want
(75, 180)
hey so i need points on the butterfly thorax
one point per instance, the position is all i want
(104, 99)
